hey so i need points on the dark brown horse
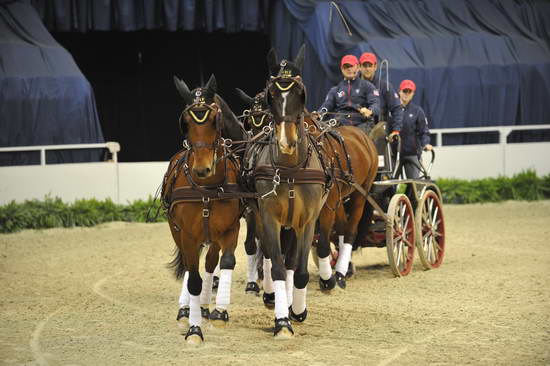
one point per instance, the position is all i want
(353, 163)
(201, 195)
(291, 181)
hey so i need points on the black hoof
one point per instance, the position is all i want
(297, 317)
(252, 288)
(269, 300)
(183, 313)
(283, 328)
(327, 285)
(219, 315)
(205, 313)
(194, 330)
(215, 282)
(340, 280)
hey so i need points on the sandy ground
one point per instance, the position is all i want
(102, 296)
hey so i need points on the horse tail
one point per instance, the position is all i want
(178, 264)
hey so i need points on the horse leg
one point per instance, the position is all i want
(288, 237)
(183, 313)
(206, 294)
(251, 248)
(326, 222)
(350, 234)
(271, 246)
(298, 309)
(219, 317)
(194, 286)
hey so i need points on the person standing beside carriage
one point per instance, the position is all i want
(390, 104)
(415, 135)
(353, 101)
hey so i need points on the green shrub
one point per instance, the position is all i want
(52, 212)
(523, 186)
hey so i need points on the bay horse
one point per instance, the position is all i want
(353, 161)
(353, 164)
(289, 177)
(201, 195)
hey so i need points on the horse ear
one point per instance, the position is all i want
(299, 60)
(183, 90)
(211, 87)
(272, 60)
(245, 97)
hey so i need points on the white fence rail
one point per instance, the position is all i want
(126, 182)
(113, 147)
(490, 160)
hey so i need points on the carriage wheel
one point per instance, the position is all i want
(430, 228)
(400, 236)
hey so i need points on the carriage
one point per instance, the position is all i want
(408, 213)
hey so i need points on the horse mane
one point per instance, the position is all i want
(232, 128)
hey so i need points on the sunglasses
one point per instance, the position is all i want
(407, 91)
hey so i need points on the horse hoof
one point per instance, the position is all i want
(205, 313)
(327, 285)
(269, 300)
(218, 318)
(283, 329)
(183, 317)
(194, 336)
(297, 317)
(215, 282)
(252, 288)
(340, 280)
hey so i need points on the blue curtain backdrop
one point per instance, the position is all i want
(475, 63)
(44, 98)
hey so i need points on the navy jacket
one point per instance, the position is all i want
(390, 104)
(348, 96)
(414, 133)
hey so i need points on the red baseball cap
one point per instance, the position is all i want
(349, 59)
(407, 84)
(368, 57)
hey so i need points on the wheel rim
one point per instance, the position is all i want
(431, 227)
(401, 238)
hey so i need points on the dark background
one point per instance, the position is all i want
(132, 77)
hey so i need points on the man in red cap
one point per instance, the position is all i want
(352, 101)
(415, 135)
(390, 106)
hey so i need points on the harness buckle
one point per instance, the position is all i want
(291, 194)
(206, 199)
(205, 212)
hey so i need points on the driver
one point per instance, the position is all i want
(353, 101)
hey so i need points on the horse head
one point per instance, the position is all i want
(258, 116)
(286, 95)
(201, 123)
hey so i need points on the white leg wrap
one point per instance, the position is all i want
(217, 271)
(299, 303)
(252, 270)
(281, 305)
(206, 292)
(289, 285)
(325, 270)
(344, 256)
(340, 240)
(184, 296)
(268, 281)
(223, 297)
(194, 310)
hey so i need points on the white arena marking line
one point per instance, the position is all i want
(36, 351)
(97, 289)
